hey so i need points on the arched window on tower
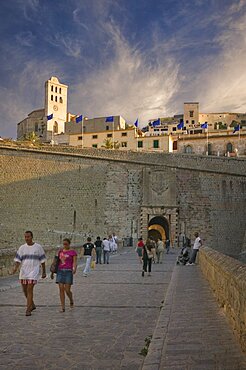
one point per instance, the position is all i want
(55, 128)
(51, 97)
(229, 148)
(56, 98)
(60, 90)
(61, 101)
(52, 87)
(188, 149)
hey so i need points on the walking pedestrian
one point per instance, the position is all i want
(112, 244)
(139, 249)
(115, 239)
(148, 256)
(98, 245)
(195, 249)
(106, 250)
(88, 251)
(67, 267)
(167, 245)
(29, 257)
(159, 250)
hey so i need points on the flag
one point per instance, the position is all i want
(156, 123)
(204, 125)
(136, 123)
(180, 125)
(236, 128)
(79, 119)
(109, 119)
(50, 117)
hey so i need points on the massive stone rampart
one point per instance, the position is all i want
(227, 278)
(95, 192)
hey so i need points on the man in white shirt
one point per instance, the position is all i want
(195, 249)
(115, 239)
(29, 257)
(106, 250)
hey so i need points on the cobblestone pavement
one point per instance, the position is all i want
(115, 309)
(192, 332)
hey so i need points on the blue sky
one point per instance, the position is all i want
(137, 58)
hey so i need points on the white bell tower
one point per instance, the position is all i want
(56, 104)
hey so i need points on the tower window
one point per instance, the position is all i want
(55, 128)
(191, 113)
(56, 98)
(60, 91)
(52, 87)
(56, 89)
(61, 101)
(51, 97)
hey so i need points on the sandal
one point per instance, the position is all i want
(62, 310)
(28, 313)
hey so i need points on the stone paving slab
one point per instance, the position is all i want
(115, 310)
(192, 332)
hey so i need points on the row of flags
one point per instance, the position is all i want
(155, 123)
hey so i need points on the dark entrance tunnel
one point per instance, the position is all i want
(158, 227)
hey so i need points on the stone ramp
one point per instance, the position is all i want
(115, 310)
(192, 332)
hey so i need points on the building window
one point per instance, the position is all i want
(124, 144)
(55, 128)
(94, 145)
(188, 149)
(80, 137)
(124, 134)
(109, 135)
(192, 122)
(191, 113)
(187, 121)
(94, 136)
(56, 98)
(36, 127)
(60, 90)
(229, 148)
(51, 97)
(52, 88)
(175, 145)
(140, 144)
(156, 144)
(61, 101)
(174, 128)
(107, 128)
(56, 89)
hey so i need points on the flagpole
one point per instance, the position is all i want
(113, 134)
(82, 133)
(207, 141)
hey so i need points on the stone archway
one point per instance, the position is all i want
(158, 227)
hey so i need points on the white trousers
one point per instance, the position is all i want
(87, 265)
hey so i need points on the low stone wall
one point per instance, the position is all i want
(7, 257)
(227, 278)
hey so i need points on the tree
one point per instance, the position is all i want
(109, 144)
(32, 138)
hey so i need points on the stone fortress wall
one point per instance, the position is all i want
(97, 192)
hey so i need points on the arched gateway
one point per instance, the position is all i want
(158, 227)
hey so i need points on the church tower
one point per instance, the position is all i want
(56, 104)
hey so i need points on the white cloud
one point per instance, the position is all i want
(25, 38)
(222, 85)
(128, 84)
(68, 45)
(77, 19)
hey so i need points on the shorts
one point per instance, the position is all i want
(64, 277)
(28, 281)
(140, 251)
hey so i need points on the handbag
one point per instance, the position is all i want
(93, 264)
(149, 254)
(54, 265)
